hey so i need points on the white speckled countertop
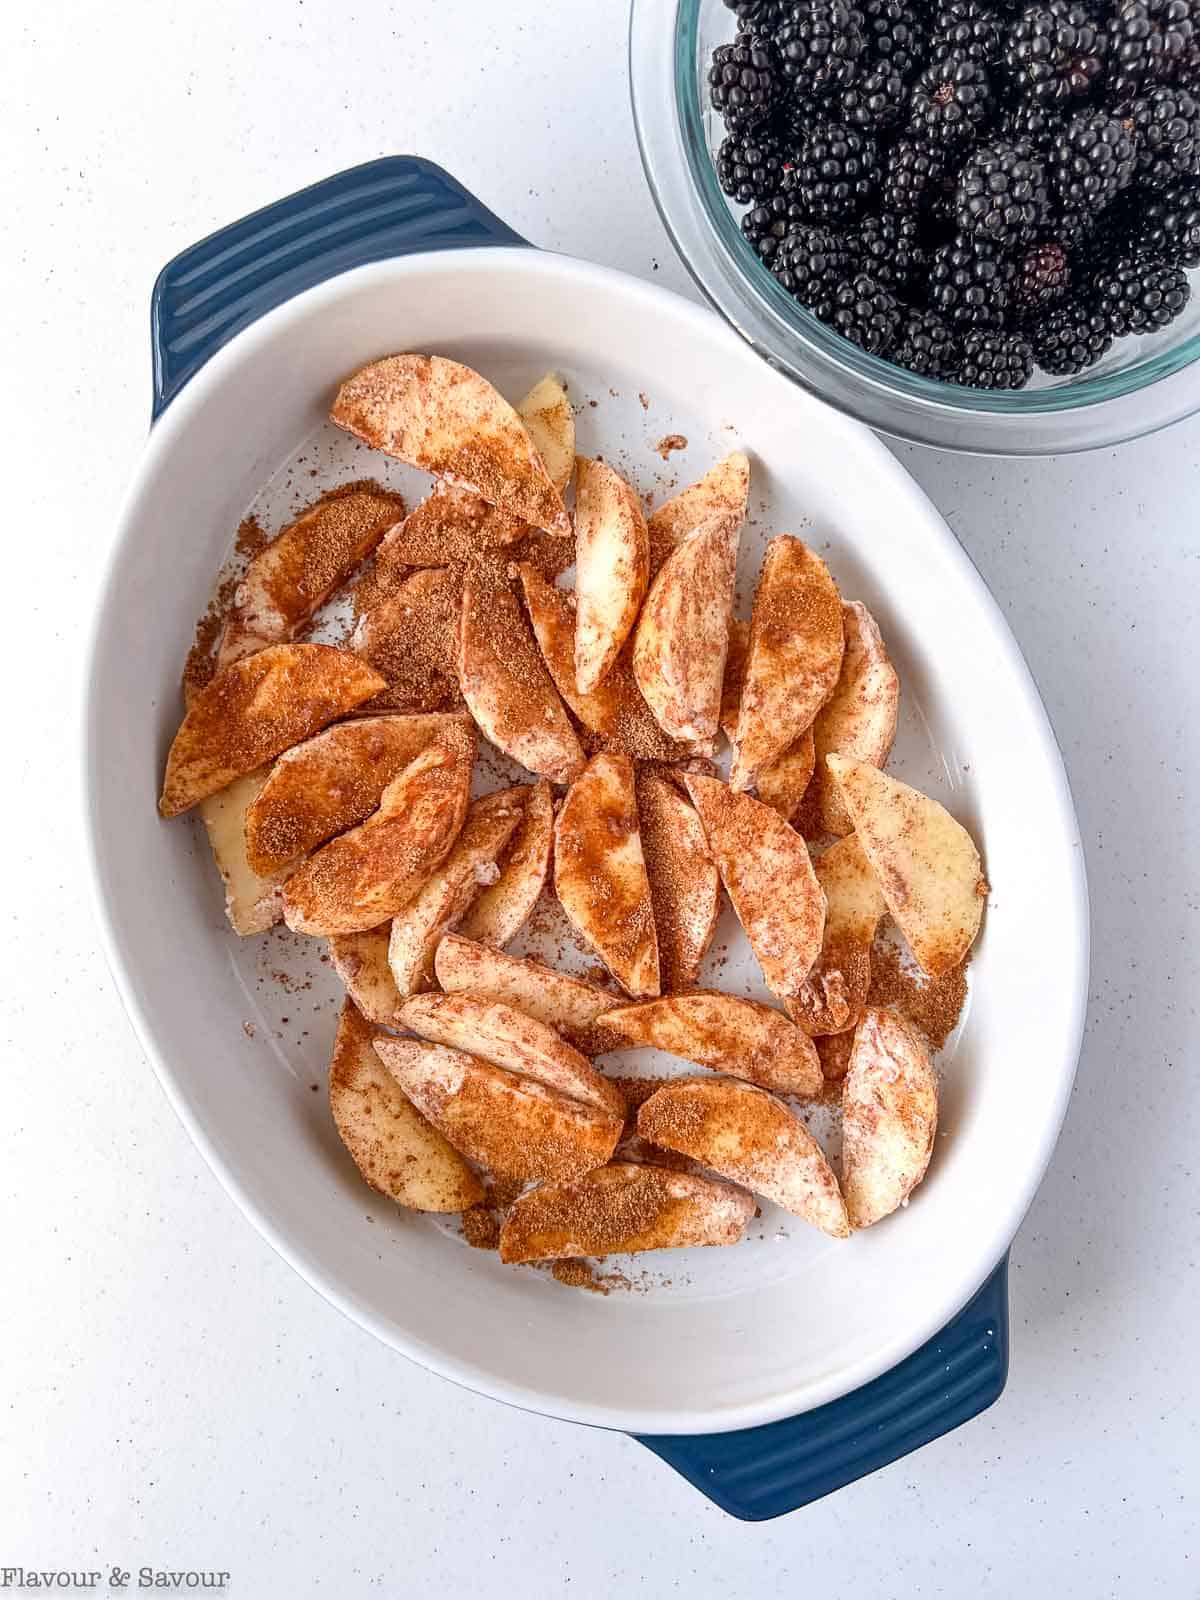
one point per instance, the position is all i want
(171, 1393)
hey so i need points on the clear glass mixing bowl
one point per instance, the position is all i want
(1141, 385)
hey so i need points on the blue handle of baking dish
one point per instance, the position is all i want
(396, 207)
(393, 207)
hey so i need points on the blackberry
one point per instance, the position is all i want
(819, 46)
(992, 360)
(889, 248)
(758, 16)
(895, 39)
(810, 264)
(950, 101)
(1069, 339)
(1132, 295)
(743, 82)
(865, 313)
(924, 344)
(768, 224)
(1029, 122)
(750, 165)
(835, 172)
(1055, 51)
(910, 174)
(1002, 193)
(1149, 42)
(1164, 224)
(1042, 280)
(1167, 124)
(966, 28)
(1091, 160)
(970, 283)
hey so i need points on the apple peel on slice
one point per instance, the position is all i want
(925, 862)
(889, 1117)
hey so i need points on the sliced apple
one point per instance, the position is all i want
(255, 709)
(793, 659)
(623, 1208)
(509, 1038)
(600, 872)
(682, 635)
(723, 490)
(749, 1136)
(253, 899)
(768, 876)
(446, 419)
(611, 568)
(832, 996)
(397, 1151)
(295, 574)
(364, 877)
(926, 863)
(361, 962)
(409, 637)
(505, 684)
(331, 782)
(685, 887)
(735, 675)
(448, 892)
(509, 1124)
(889, 1117)
(740, 1037)
(550, 423)
(859, 718)
(572, 1006)
(614, 709)
(782, 783)
(450, 525)
(502, 909)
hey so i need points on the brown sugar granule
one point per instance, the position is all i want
(201, 663)
(932, 1005)
(635, 1092)
(503, 1191)
(251, 536)
(450, 526)
(670, 442)
(481, 1229)
(577, 1275)
(409, 639)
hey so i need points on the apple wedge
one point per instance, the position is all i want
(740, 1037)
(889, 1117)
(682, 634)
(448, 892)
(614, 709)
(765, 867)
(502, 909)
(507, 1123)
(409, 639)
(253, 899)
(505, 684)
(624, 1208)
(685, 887)
(722, 491)
(444, 418)
(859, 718)
(254, 710)
(509, 1038)
(600, 872)
(793, 659)
(748, 1136)
(832, 996)
(550, 423)
(926, 863)
(782, 783)
(572, 1006)
(333, 781)
(397, 1151)
(295, 574)
(450, 525)
(611, 568)
(364, 877)
(361, 962)
(735, 675)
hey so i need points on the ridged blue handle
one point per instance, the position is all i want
(764, 1472)
(396, 207)
(214, 289)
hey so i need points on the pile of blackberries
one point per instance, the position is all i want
(967, 187)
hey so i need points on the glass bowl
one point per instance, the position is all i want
(1141, 385)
